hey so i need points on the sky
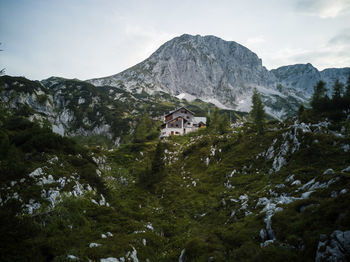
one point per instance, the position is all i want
(87, 39)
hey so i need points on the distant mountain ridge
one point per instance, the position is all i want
(303, 77)
(222, 72)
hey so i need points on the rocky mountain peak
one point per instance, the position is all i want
(223, 73)
(206, 67)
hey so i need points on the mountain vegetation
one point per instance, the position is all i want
(224, 193)
(258, 112)
(85, 176)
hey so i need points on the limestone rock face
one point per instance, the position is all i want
(334, 248)
(303, 77)
(221, 72)
(206, 67)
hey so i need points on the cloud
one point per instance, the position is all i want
(146, 38)
(324, 8)
(334, 53)
(343, 38)
(255, 40)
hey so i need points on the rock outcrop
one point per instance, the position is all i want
(303, 77)
(334, 248)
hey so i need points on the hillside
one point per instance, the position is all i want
(77, 108)
(234, 196)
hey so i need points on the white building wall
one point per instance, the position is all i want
(167, 131)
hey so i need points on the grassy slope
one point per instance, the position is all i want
(190, 208)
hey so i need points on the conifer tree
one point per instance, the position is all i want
(214, 120)
(337, 90)
(337, 99)
(347, 88)
(224, 124)
(143, 129)
(347, 94)
(157, 162)
(319, 98)
(301, 112)
(154, 171)
(208, 121)
(258, 112)
(219, 123)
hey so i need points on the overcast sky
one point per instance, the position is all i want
(94, 38)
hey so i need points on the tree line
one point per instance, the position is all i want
(336, 105)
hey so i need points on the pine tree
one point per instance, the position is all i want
(337, 90)
(214, 121)
(158, 163)
(347, 94)
(218, 123)
(143, 129)
(224, 124)
(301, 112)
(258, 112)
(155, 171)
(319, 98)
(337, 96)
(208, 123)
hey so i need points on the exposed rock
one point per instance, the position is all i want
(109, 259)
(209, 68)
(329, 171)
(334, 248)
(346, 169)
(303, 77)
(181, 257)
(343, 191)
(91, 245)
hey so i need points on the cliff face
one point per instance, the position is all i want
(303, 77)
(205, 67)
(224, 73)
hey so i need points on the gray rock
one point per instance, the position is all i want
(303, 77)
(263, 235)
(329, 171)
(334, 248)
(346, 169)
(208, 68)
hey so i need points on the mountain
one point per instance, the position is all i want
(78, 108)
(222, 72)
(224, 193)
(202, 66)
(303, 77)
(207, 68)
